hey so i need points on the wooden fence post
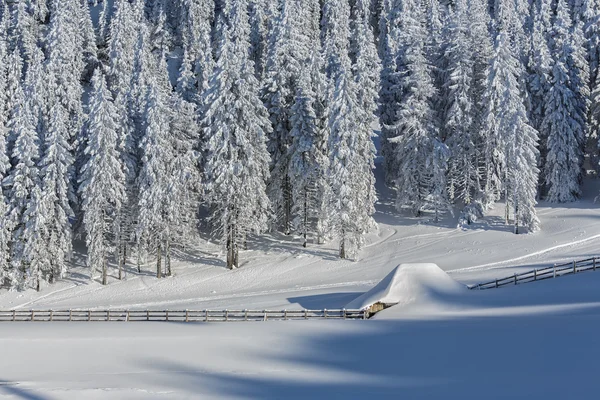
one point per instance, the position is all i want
(305, 313)
(245, 315)
(325, 313)
(205, 315)
(127, 316)
(14, 315)
(496, 283)
(107, 315)
(89, 315)
(285, 315)
(51, 315)
(574, 266)
(187, 319)
(226, 315)
(32, 315)
(594, 262)
(515, 278)
(344, 311)
(147, 315)
(167, 315)
(554, 269)
(70, 315)
(266, 316)
(535, 274)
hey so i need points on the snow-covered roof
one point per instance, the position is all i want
(407, 284)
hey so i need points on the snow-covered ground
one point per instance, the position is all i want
(534, 341)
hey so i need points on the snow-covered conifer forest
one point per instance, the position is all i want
(135, 126)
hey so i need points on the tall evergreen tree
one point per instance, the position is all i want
(236, 126)
(281, 79)
(420, 154)
(510, 141)
(102, 185)
(20, 183)
(366, 69)
(350, 165)
(195, 19)
(564, 121)
(153, 227)
(459, 114)
(307, 161)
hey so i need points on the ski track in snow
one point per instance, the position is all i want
(495, 265)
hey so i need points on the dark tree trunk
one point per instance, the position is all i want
(159, 261)
(168, 257)
(104, 271)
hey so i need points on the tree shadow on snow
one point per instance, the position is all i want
(12, 389)
(507, 357)
(329, 301)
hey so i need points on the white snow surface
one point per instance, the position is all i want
(533, 341)
(408, 284)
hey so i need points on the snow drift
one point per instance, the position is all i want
(408, 284)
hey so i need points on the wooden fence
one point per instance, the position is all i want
(555, 271)
(177, 316)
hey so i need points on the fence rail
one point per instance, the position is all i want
(555, 271)
(176, 316)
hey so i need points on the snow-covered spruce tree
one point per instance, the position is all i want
(416, 133)
(459, 129)
(564, 121)
(283, 68)
(20, 183)
(258, 35)
(185, 186)
(236, 127)
(595, 103)
(540, 61)
(37, 256)
(4, 164)
(480, 43)
(126, 27)
(350, 171)
(24, 31)
(510, 141)
(389, 95)
(366, 69)
(319, 87)
(55, 170)
(591, 30)
(65, 63)
(195, 21)
(153, 229)
(102, 179)
(307, 161)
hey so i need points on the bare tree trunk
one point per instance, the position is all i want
(104, 270)
(139, 258)
(507, 209)
(287, 203)
(159, 261)
(123, 259)
(120, 259)
(343, 246)
(236, 249)
(305, 217)
(168, 257)
(230, 246)
(516, 217)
